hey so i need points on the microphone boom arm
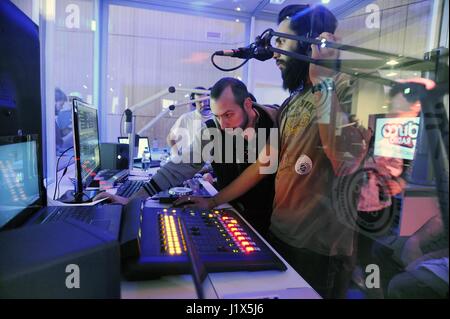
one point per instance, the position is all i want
(348, 66)
(164, 112)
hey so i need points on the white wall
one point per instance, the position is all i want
(266, 83)
(150, 50)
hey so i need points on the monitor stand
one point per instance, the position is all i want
(70, 197)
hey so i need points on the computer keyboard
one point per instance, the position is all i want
(114, 175)
(84, 214)
(128, 188)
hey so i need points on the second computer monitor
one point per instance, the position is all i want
(143, 143)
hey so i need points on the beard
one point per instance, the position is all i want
(294, 73)
(205, 111)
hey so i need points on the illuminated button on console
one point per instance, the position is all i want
(240, 238)
(170, 235)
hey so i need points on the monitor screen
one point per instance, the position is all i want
(20, 75)
(143, 143)
(87, 148)
(19, 174)
(396, 136)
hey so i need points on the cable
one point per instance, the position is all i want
(226, 70)
(64, 173)
(121, 124)
(56, 170)
(269, 30)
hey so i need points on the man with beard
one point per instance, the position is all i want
(193, 121)
(233, 109)
(304, 226)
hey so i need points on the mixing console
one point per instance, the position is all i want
(223, 240)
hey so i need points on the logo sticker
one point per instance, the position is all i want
(303, 165)
(399, 134)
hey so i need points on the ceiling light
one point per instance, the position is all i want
(277, 1)
(392, 62)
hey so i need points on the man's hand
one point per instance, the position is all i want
(318, 73)
(208, 177)
(112, 198)
(194, 201)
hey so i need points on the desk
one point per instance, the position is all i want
(234, 285)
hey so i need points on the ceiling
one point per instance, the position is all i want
(262, 9)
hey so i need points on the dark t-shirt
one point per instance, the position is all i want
(256, 204)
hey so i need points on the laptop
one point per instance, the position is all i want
(23, 198)
(142, 144)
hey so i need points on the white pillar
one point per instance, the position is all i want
(251, 63)
(47, 39)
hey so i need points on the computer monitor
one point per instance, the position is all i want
(20, 87)
(142, 144)
(22, 191)
(395, 136)
(86, 149)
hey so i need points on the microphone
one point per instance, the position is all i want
(242, 53)
(128, 119)
(258, 50)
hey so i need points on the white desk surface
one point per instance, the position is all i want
(235, 285)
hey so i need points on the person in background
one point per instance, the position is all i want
(60, 100)
(193, 121)
(63, 121)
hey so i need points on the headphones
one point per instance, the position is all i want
(316, 21)
(192, 96)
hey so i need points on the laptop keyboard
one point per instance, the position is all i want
(84, 214)
(128, 188)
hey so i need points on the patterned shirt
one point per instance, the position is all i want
(304, 214)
